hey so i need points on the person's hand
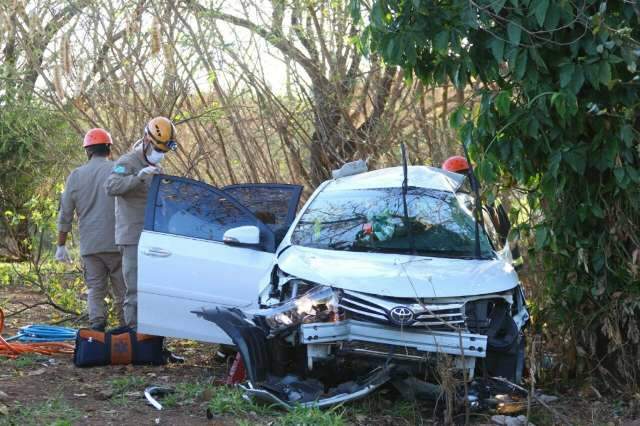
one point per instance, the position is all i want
(149, 170)
(62, 254)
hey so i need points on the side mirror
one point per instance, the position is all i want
(242, 235)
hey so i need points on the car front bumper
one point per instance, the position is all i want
(424, 340)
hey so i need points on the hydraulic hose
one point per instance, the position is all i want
(48, 347)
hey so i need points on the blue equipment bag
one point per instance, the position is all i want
(117, 347)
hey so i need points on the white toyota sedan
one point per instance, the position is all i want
(372, 281)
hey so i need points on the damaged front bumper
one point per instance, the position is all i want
(424, 340)
(289, 395)
(324, 340)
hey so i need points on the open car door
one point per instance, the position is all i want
(185, 266)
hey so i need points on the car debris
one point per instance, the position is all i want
(155, 391)
(510, 421)
(378, 278)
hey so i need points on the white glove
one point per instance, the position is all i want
(62, 255)
(149, 170)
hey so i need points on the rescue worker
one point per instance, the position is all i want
(129, 182)
(84, 194)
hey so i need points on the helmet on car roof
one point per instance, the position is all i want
(456, 164)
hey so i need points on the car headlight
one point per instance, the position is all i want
(317, 305)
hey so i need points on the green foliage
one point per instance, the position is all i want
(229, 400)
(186, 393)
(59, 283)
(301, 416)
(33, 139)
(56, 412)
(121, 385)
(559, 115)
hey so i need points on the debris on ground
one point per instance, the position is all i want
(153, 391)
(510, 421)
(547, 398)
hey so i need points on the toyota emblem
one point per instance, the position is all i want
(401, 315)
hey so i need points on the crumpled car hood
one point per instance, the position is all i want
(398, 275)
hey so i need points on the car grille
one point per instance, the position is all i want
(434, 316)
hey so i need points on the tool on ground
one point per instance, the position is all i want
(14, 350)
(152, 391)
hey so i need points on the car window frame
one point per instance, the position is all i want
(293, 206)
(268, 245)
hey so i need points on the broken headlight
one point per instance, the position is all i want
(317, 305)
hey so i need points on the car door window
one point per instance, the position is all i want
(193, 209)
(274, 205)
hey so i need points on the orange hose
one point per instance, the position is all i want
(14, 350)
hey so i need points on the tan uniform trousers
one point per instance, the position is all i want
(99, 268)
(130, 272)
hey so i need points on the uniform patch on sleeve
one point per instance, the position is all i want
(119, 169)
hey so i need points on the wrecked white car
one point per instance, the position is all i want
(378, 277)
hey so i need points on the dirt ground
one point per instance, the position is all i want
(36, 390)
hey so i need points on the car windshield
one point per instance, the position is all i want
(372, 220)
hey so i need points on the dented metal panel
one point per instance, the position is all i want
(461, 344)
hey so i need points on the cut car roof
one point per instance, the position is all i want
(392, 177)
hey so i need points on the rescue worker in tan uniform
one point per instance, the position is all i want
(129, 182)
(85, 195)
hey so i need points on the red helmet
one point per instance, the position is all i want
(97, 137)
(456, 164)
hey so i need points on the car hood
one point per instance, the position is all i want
(398, 275)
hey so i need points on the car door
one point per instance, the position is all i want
(184, 265)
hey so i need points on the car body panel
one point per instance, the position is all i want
(398, 275)
(197, 274)
(392, 177)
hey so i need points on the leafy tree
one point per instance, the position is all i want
(32, 142)
(559, 115)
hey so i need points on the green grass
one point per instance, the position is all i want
(24, 361)
(376, 404)
(122, 385)
(229, 400)
(56, 412)
(127, 384)
(226, 400)
(300, 416)
(185, 393)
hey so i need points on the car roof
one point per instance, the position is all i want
(392, 177)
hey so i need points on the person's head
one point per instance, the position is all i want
(456, 164)
(159, 138)
(97, 142)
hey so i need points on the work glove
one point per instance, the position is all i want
(149, 170)
(62, 255)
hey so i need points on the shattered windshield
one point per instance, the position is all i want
(372, 220)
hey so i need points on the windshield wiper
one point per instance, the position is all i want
(350, 246)
(405, 189)
(453, 254)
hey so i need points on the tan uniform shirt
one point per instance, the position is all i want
(84, 193)
(130, 191)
